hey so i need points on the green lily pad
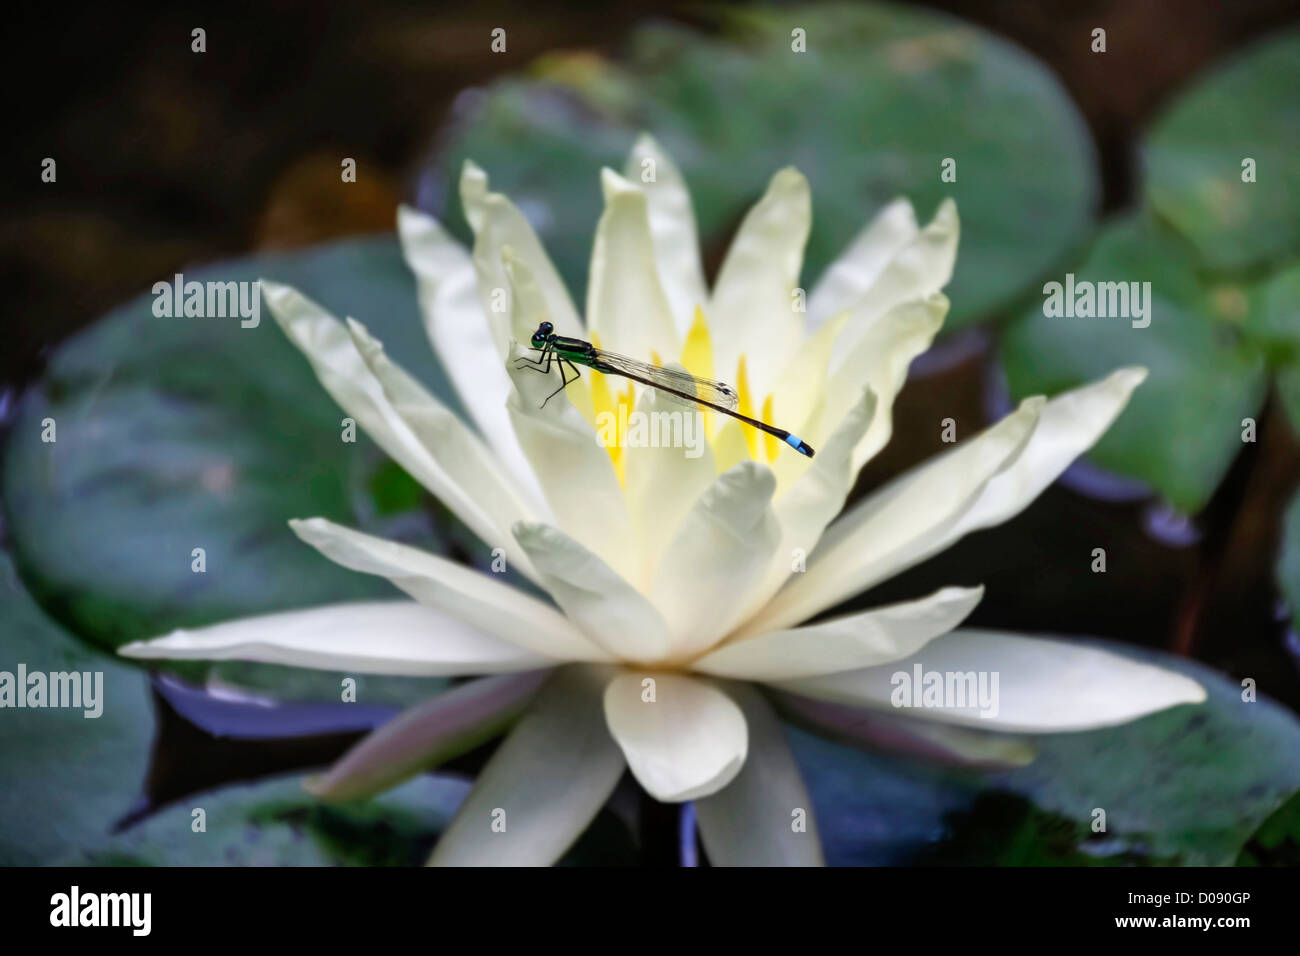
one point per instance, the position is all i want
(1274, 324)
(1184, 424)
(68, 777)
(276, 823)
(1187, 786)
(1247, 109)
(870, 112)
(181, 433)
(1277, 841)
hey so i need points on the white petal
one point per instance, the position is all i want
(752, 309)
(463, 456)
(1069, 425)
(626, 306)
(919, 269)
(720, 554)
(880, 361)
(528, 310)
(750, 821)
(574, 470)
(468, 595)
(854, 641)
(1043, 686)
(549, 778)
(847, 278)
(688, 742)
(816, 498)
(458, 329)
(663, 483)
(498, 224)
(672, 227)
(883, 532)
(428, 734)
(328, 345)
(379, 637)
(901, 732)
(604, 605)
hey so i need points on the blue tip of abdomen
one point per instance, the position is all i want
(799, 445)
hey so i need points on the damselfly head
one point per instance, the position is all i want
(542, 334)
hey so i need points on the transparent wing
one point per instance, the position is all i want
(674, 384)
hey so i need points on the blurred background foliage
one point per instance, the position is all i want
(175, 434)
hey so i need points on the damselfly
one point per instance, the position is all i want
(681, 386)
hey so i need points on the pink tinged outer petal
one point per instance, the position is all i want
(544, 784)
(427, 735)
(371, 637)
(683, 737)
(764, 817)
(901, 734)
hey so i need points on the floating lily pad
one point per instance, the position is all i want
(173, 434)
(1184, 424)
(68, 777)
(881, 97)
(1246, 109)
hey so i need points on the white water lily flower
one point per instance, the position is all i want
(677, 581)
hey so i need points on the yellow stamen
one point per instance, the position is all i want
(746, 406)
(771, 446)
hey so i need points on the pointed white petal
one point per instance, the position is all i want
(880, 361)
(720, 553)
(886, 530)
(1042, 686)
(463, 456)
(545, 783)
(919, 269)
(899, 732)
(612, 613)
(328, 345)
(848, 278)
(854, 641)
(428, 734)
(672, 227)
(750, 822)
(497, 224)
(378, 637)
(752, 309)
(461, 336)
(1070, 424)
(574, 470)
(688, 742)
(626, 306)
(490, 606)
